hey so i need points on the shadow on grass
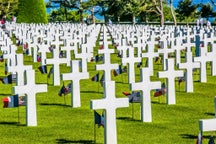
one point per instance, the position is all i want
(54, 104)
(63, 141)
(158, 102)
(190, 136)
(6, 94)
(91, 92)
(211, 114)
(127, 119)
(11, 123)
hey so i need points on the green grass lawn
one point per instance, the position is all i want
(58, 122)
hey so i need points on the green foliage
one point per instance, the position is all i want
(185, 9)
(206, 11)
(59, 15)
(32, 11)
(8, 8)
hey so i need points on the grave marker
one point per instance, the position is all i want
(19, 69)
(56, 61)
(75, 76)
(189, 65)
(110, 103)
(30, 89)
(170, 74)
(131, 60)
(145, 85)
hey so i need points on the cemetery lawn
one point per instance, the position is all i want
(58, 122)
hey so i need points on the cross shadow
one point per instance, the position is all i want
(6, 94)
(11, 123)
(91, 92)
(64, 141)
(54, 104)
(157, 102)
(190, 136)
(127, 119)
(208, 113)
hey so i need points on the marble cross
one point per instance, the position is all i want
(189, 65)
(170, 74)
(31, 89)
(19, 69)
(75, 76)
(85, 57)
(150, 54)
(56, 61)
(145, 85)
(202, 59)
(131, 60)
(106, 66)
(110, 103)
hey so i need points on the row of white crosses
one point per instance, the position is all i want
(109, 86)
(170, 73)
(23, 72)
(30, 88)
(109, 102)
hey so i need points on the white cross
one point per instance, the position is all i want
(106, 66)
(110, 103)
(19, 69)
(131, 60)
(84, 55)
(43, 49)
(150, 54)
(75, 76)
(170, 75)
(145, 85)
(30, 89)
(10, 54)
(189, 65)
(56, 61)
(212, 58)
(164, 50)
(203, 59)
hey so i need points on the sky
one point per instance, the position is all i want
(175, 3)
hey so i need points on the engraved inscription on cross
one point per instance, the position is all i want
(170, 74)
(75, 76)
(145, 85)
(110, 103)
(30, 88)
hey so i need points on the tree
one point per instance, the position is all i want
(116, 9)
(206, 11)
(158, 4)
(185, 9)
(8, 7)
(135, 7)
(172, 12)
(32, 11)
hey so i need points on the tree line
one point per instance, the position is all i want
(120, 10)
